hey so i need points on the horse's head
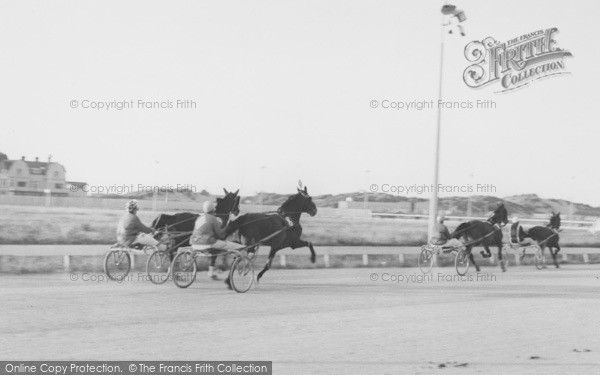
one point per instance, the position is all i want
(160, 222)
(554, 220)
(500, 215)
(229, 204)
(298, 203)
(460, 231)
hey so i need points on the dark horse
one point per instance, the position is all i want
(183, 222)
(547, 236)
(253, 227)
(484, 233)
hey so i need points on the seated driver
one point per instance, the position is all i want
(131, 232)
(518, 235)
(441, 235)
(209, 233)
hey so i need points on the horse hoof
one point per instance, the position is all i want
(313, 259)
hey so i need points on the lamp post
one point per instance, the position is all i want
(449, 13)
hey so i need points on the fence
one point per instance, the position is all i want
(67, 252)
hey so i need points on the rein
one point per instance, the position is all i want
(549, 237)
(482, 238)
(166, 227)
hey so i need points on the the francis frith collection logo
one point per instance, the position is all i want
(515, 63)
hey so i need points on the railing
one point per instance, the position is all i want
(69, 251)
(565, 224)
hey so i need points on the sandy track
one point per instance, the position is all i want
(325, 321)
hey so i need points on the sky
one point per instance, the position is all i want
(283, 91)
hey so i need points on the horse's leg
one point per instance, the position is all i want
(268, 264)
(487, 253)
(469, 248)
(500, 259)
(301, 243)
(554, 256)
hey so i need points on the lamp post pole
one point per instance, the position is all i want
(433, 201)
(453, 13)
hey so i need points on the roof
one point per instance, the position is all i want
(76, 183)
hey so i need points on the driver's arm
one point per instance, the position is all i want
(218, 230)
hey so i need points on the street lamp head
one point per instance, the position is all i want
(452, 10)
(454, 13)
(448, 9)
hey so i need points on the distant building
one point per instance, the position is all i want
(26, 177)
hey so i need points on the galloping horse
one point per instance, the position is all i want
(183, 222)
(254, 227)
(484, 233)
(547, 236)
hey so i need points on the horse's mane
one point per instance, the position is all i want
(287, 202)
(500, 215)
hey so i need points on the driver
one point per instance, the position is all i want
(441, 236)
(209, 233)
(131, 232)
(518, 235)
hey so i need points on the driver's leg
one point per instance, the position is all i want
(454, 243)
(145, 240)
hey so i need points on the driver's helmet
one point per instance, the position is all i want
(132, 205)
(514, 220)
(441, 218)
(208, 207)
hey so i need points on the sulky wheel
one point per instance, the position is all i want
(241, 274)
(461, 262)
(538, 258)
(158, 267)
(426, 259)
(183, 269)
(117, 264)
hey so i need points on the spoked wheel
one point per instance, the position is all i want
(241, 275)
(158, 267)
(184, 269)
(117, 264)
(461, 262)
(425, 259)
(539, 259)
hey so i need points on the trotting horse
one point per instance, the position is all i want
(183, 222)
(547, 236)
(254, 227)
(484, 233)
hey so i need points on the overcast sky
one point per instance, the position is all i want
(287, 85)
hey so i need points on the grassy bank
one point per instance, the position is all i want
(54, 225)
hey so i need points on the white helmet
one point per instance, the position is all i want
(441, 218)
(208, 207)
(514, 220)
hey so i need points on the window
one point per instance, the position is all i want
(34, 185)
(58, 186)
(22, 184)
(55, 174)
